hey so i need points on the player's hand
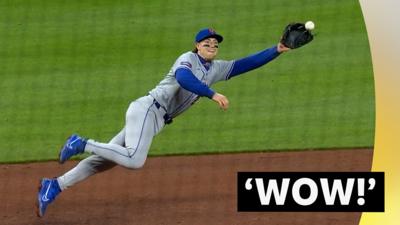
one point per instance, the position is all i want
(282, 48)
(221, 100)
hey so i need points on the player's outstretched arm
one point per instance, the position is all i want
(256, 60)
(282, 48)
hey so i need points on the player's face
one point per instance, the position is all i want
(208, 48)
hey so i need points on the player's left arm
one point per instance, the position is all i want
(257, 60)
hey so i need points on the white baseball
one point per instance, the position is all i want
(310, 25)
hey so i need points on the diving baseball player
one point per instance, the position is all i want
(190, 78)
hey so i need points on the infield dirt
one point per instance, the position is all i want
(169, 190)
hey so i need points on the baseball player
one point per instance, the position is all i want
(190, 78)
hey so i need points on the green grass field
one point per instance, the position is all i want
(74, 66)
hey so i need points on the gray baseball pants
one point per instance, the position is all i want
(129, 148)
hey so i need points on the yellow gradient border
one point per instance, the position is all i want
(382, 18)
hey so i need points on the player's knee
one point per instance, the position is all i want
(135, 164)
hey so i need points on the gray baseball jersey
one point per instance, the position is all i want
(176, 99)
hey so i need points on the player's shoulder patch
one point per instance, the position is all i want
(187, 64)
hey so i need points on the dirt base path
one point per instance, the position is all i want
(169, 190)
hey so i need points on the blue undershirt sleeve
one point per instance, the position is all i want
(253, 61)
(189, 82)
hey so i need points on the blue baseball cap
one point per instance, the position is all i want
(207, 33)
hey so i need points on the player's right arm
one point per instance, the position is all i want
(188, 81)
(221, 100)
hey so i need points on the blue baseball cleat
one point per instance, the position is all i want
(75, 145)
(48, 191)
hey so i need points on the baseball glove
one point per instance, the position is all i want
(296, 35)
